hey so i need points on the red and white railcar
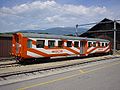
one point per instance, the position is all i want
(31, 45)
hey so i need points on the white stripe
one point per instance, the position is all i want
(67, 51)
(33, 54)
(108, 50)
(98, 49)
(50, 50)
(90, 49)
(75, 49)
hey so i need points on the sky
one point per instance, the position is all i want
(42, 14)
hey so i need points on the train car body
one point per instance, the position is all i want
(31, 45)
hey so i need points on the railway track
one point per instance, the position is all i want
(9, 65)
(41, 71)
(8, 62)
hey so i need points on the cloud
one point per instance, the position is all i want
(83, 10)
(53, 6)
(45, 14)
(37, 5)
(55, 18)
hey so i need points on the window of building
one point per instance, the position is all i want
(29, 43)
(76, 44)
(102, 44)
(51, 43)
(69, 43)
(94, 44)
(89, 44)
(60, 44)
(106, 44)
(40, 43)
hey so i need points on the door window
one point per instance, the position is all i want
(29, 43)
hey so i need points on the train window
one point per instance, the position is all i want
(40, 43)
(51, 43)
(94, 44)
(102, 44)
(69, 43)
(98, 44)
(106, 44)
(60, 44)
(29, 43)
(89, 44)
(76, 44)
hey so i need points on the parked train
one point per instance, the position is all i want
(31, 45)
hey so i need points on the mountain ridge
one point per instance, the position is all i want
(57, 31)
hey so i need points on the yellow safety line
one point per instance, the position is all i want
(81, 71)
(44, 83)
(67, 77)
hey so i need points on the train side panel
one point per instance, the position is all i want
(98, 47)
(29, 47)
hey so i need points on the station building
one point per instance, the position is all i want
(104, 31)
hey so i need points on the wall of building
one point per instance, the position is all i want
(5, 46)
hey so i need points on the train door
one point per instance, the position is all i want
(82, 47)
(17, 44)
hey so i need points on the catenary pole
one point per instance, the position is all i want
(76, 30)
(114, 48)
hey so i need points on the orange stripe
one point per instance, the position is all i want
(33, 42)
(71, 50)
(78, 48)
(96, 48)
(38, 52)
(27, 56)
(46, 55)
(91, 50)
(106, 49)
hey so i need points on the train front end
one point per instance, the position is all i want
(17, 46)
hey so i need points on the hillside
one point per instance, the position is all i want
(58, 30)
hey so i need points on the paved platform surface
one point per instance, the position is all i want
(51, 64)
(105, 76)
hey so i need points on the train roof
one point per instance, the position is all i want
(35, 35)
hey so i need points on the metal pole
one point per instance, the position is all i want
(76, 30)
(114, 49)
